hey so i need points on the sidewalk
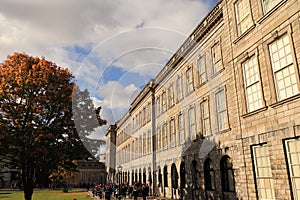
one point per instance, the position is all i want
(113, 198)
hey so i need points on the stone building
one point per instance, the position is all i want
(221, 119)
(90, 171)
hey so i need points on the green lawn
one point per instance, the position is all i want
(46, 195)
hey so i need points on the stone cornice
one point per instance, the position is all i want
(213, 18)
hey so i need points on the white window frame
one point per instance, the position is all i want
(247, 18)
(171, 95)
(282, 71)
(205, 118)
(179, 88)
(216, 56)
(172, 133)
(221, 109)
(163, 102)
(164, 136)
(189, 81)
(202, 72)
(192, 123)
(181, 132)
(274, 3)
(263, 173)
(252, 85)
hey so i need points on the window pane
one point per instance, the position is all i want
(283, 68)
(269, 4)
(263, 173)
(243, 16)
(293, 154)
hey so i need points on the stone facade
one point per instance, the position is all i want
(89, 172)
(221, 120)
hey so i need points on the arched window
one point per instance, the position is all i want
(209, 175)
(227, 175)
(165, 176)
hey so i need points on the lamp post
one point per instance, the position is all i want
(120, 173)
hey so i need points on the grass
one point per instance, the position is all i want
(46, 195)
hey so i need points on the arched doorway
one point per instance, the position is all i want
(165, 178)
(174, 180)
(140, 175)
(144, 175)
(182, 179)
(132, 177)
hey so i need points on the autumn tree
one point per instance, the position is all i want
(37, 122)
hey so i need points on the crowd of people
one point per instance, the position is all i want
(121, 191)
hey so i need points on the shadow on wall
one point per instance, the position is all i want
(204, 173)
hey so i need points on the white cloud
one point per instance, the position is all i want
(133, 35)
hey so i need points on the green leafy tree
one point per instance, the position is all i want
(37, 123)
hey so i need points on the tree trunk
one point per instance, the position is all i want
(28, 191)
(28, 181)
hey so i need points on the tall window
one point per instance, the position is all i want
(189, 81)
(192, 123)
(149, 140)
(163, 102)
(209, 175)
(283, 68)
(221, 110)
(171, 95)
(205, 121)
(252, 84)
(172, 133)
(243, 16)
(157, 106)
(149, 112)
(227, 174)
(158, 135)
(263, 173)
(270, 4)
(179, 88)
(202, 69)
(181, 129)
(165, 136)
(293, 153)
(216, 58)
(144, 143)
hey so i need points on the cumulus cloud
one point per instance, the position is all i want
(91, 36)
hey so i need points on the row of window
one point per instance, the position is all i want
(263, 169)
(243, 13)
(283, 70)
(139, 147)
(177, 131)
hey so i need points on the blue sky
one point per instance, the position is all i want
(113, 47)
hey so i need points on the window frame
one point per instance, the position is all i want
(201, 64)
(204, 118)
(225, 170)
(226, 126)
(181, 138)
(245, 86)
(215, 69)
(255, 169)
(171, 95)
(273, 37)
(189, 80)
(192, 123)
